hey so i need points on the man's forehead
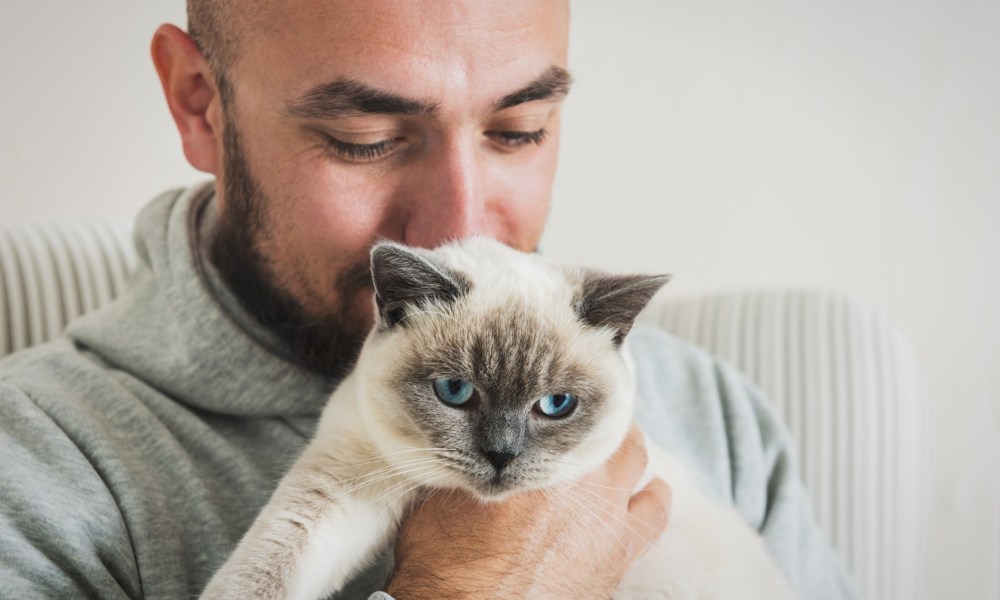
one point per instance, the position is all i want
(401, 22)
(407, 48)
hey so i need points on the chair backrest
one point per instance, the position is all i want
(53, 272)
(846, 384)
(841, 376)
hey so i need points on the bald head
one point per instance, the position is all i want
(222, 29)
(218, 27)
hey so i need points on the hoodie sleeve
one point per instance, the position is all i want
(61, 533)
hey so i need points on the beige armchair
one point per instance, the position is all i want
(841, 376)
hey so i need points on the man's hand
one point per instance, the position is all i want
(572, 541)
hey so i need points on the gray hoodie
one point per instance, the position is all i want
(137, 449)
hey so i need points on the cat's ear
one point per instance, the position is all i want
(614, 301)
(404, 279)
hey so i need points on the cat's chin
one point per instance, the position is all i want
(497, 490)
(489, 495)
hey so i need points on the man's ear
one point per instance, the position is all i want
(189, 87)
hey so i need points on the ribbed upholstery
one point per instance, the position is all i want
(840, 375)
(50, 273)
(846, 384)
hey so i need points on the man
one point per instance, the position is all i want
(138, 449)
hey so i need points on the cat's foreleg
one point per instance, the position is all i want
(315, 533)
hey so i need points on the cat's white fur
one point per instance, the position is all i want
(342, 500)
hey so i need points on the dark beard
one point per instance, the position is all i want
(328, 345)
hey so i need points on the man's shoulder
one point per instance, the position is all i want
(51, 383)
(61, 402)
(653, 346)
(680, 373)
(701, 409)
(53, 368)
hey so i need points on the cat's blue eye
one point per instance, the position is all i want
(555, 405)
(453, 391)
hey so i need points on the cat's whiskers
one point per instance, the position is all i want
(604, 487)
(572, 464)
(387, 472)
(410, 471)
(468, 498)
(392, 490)
(570, 494)
(433, 492)
(383, 455)
(579, 492)
(388, 469)
(565, 479)
(589, 506)
(551, 494)
(394, 471)
(451, 493)
(448, 462)
(428, 478)
(359, 488)
(420, 473)
(461, 461)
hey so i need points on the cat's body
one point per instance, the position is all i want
(490, 371)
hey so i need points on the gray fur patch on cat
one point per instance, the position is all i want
(513, 359)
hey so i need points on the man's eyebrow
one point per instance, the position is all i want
(344, 96)
(553, 84)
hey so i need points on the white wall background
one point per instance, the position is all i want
(851, 145)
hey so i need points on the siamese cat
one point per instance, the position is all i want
(491, 371)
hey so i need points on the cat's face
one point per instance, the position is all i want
(506, 370)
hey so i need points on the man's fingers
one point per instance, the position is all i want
(649, 510)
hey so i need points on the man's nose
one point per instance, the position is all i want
(446, 200)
